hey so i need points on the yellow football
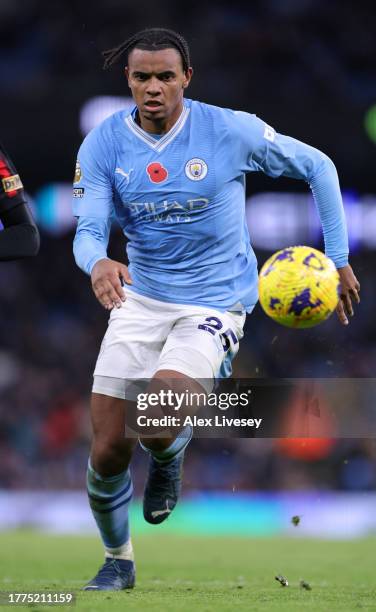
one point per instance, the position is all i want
(298, 287)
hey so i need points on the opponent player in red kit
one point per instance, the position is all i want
(20, 236)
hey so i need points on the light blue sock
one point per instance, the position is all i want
(109, 499)
(178, 446)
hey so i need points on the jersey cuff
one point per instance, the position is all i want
(340, 263)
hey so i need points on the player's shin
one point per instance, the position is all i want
(172, 449)
(109, 499)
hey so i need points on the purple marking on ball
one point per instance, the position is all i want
(285, 254)
(302, 301)
(312, 256)
(273, 303)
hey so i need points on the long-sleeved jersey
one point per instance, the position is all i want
(180, 201)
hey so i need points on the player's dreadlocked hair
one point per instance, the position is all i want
(151, 39)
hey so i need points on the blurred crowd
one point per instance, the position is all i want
(305, 66)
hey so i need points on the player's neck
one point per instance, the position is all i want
(159, 126)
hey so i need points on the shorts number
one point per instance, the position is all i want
(226, 338)
(212, 325)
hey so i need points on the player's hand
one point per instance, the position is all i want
(106, 279)
(349, 292)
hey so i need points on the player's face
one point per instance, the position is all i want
(157, 81)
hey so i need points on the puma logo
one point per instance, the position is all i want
(156, 513)
(126, 175)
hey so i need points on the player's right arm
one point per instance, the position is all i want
(93, 206)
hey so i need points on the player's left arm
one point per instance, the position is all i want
(278, 155)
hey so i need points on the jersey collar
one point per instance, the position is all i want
(161, 143)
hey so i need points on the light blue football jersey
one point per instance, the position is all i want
(180, 201)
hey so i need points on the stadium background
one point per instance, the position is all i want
(307, 68)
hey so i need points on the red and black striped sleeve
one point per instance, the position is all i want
(19, 237)
(11, 189)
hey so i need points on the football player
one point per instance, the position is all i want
(172, 172)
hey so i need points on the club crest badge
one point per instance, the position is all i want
(196, 169)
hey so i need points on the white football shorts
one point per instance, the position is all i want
(146, 335)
